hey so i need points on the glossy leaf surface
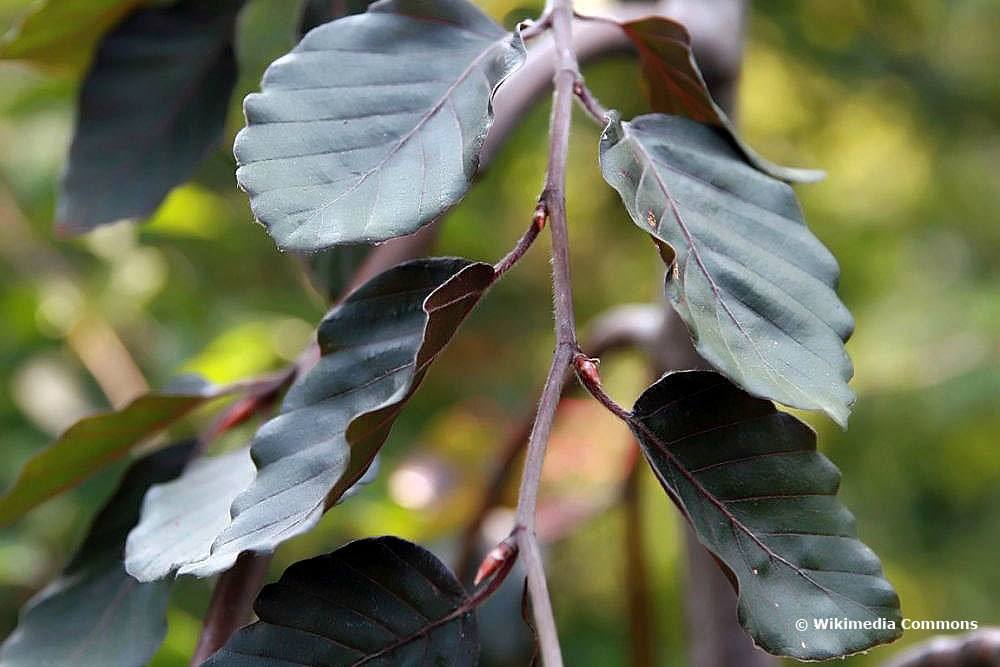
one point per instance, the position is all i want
(372, 126)
(378, 601)
(763, 500)
(753, 284)
(376, 347)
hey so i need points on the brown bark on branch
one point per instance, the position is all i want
(975, 649)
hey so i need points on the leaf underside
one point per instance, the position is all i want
(376, 347)
(181, 519)
(378, 602)
(152, 106)
(95, 442)
(752, 283)
(676, 86)
(95, 614)
(372, 126)
(763, 500)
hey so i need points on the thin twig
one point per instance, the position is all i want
(590, 103)
(541, 605)
(623, 327)
(231, 603)
(524, 243)
(553, 201)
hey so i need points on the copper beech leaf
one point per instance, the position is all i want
(376, 347)
(95, 442)
(753, 284)
(372, 126)
(152, 106)
(676, 86)
(95, 614)
(763, 501)
(377, 601)
(181, 518)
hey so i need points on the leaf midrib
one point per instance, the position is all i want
(716, 290)
(734, 522)
(445, 97)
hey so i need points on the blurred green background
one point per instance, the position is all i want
(898, 100)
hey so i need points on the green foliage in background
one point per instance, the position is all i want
(899, 103)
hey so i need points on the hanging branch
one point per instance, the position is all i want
(625, 327)
(337, 153)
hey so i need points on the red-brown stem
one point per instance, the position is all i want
(231, 603)
(624, 327)
(586, 371)
(590, 103)
(538, 219)
(510, 450)
(560, 14)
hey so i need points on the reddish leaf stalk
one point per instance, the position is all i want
(590, 103)
(637, 425)
(232, 601)
(620, 328)
(538, 219)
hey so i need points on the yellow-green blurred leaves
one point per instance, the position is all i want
(191, 211)
(250, 348)
(878, 160)
(62, 34)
